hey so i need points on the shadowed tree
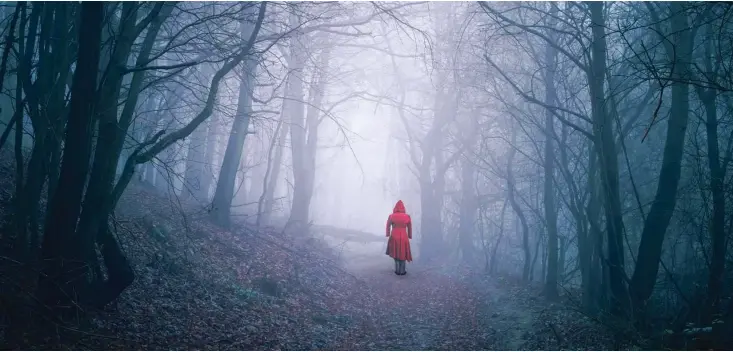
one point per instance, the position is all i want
(65, 254)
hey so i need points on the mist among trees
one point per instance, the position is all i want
(217, 175)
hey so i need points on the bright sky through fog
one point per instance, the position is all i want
(350, 188)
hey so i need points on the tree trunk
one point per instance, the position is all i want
(98, 199)
(511, 189)
(241, 183)
(550, 289)
(708, 98)
(58, 112)
(561, 257)
(272, 179)
(305, 147)
(584, 243)
(147, 129)
(104, 165)
(432, 188)
(537, 247)
(30, 195)
(6, 132)
(167, 160)
(21, 242)
(9, 38)
(606, 149)
(467, 217)
(272, 168)
(207, 175)
(469, 201)
(194, 164)
(65, 257)
(430, 219)
(597, 292)
(717, 224)
(165, 121)
(544, 264)
(657, 221)
(8, 44)
(224, 194)
(492, 263)
(46, 105)
(256, 175)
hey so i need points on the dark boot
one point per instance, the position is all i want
(397, 267)
(402, 267)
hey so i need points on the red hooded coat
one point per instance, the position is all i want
(400, 224)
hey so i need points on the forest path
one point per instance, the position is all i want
(430, 309)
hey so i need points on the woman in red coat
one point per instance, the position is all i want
(398, 246)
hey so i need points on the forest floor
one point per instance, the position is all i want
(199, 287)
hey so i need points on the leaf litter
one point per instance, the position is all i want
(200, 287)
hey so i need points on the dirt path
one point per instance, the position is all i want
(429, 310)
(436, 308)
(458, 308)
(512, 323)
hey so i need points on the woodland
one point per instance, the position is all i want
(217, 175)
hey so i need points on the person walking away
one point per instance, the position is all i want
(399, 231)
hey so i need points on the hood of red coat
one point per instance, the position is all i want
(399, 207)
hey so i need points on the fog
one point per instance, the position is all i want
(565, 167)
(362, 163)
